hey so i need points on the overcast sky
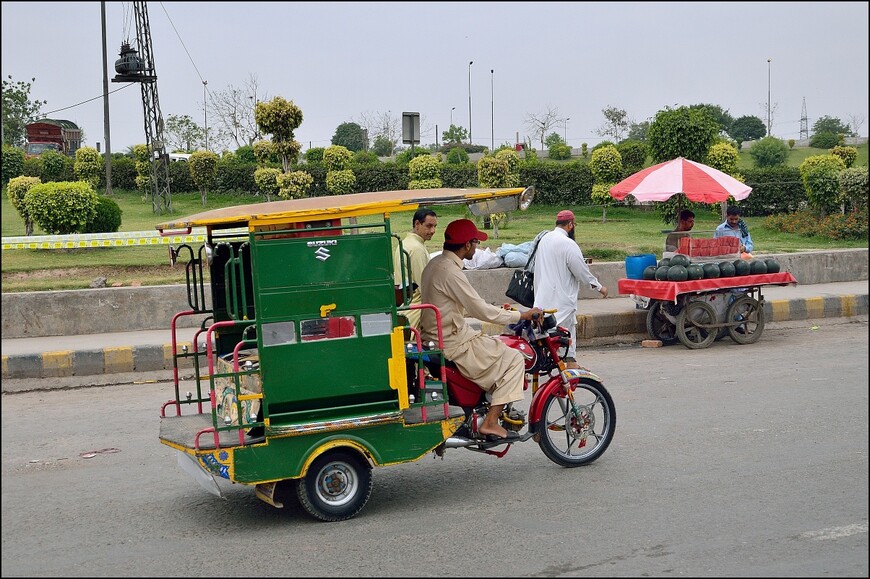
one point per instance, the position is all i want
(339, 60)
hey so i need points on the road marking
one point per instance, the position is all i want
(835, 532)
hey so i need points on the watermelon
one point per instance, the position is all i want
(757, 267)
(679, 259)
(726, 269)
(662, 273)
(741, 267)
(677, 273)
(711, 270)
(695, 271)
(665, 262)
(649, 272)
(772, 265)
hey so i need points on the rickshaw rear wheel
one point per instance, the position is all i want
(336, 487)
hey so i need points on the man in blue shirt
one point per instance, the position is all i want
(733, 226)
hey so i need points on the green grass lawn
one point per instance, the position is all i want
(625, 231)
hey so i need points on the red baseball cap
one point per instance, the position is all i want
(565, 215)
(463, 231)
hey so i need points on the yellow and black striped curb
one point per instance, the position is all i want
(90, 362)
(83, 241)
(605, 325)
(633, 322)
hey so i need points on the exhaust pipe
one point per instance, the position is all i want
(458, 442)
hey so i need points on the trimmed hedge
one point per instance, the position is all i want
(774, 190)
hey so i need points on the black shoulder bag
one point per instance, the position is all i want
(521, 288)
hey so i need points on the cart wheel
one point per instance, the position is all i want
(697, 325)
(658, 326)
(750, 312)
(337, 486)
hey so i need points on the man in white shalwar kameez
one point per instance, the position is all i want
(559, 270)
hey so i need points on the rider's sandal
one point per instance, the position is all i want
(510, 437)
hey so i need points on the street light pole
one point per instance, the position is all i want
(566, 129)
(492, 107)
(470, 62)
(768, 97)
(205, 111)
(451, 116)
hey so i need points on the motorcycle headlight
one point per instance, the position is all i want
(549, 322)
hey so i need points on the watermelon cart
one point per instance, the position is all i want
(705, 292)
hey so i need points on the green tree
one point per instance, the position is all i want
(382, 146)
(821, 178)
(682, 132)
(606, 167)
(615, 124)
(634, 154)
(834, 125)
(340, 182)
(769, 152)
(13, 163)
(280, 118)
(16, 190)
(424, 172)
(18, 110)
(340, 179)
(848, 154)
(638, 131)
(853, 187)
(266, 180)
(337, 158)
(457, 156)
(88, 166)
(54, 166)
(61, 207)
(553, 139)
(454, 135)
(296, 184)
(747, 128)
(718, 114)
(351, 136)
(825, 140)
(182, 133)
(724, 157)
(203, 171)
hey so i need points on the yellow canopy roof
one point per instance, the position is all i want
(333, 207)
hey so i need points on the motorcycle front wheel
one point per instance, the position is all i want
(576, 432)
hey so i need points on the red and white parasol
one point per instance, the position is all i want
(698, 182)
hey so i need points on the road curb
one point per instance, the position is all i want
(114, 360)
(628, 326)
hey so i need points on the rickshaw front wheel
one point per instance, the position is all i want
(336, 487)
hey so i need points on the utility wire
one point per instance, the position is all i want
(171, 23)
(87, 101)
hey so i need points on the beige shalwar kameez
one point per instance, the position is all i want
(485, 360)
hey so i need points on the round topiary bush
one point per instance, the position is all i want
(107, 218)
(61, 207)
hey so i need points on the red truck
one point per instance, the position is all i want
(52, 134)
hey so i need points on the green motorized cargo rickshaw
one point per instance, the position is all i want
(302, 377)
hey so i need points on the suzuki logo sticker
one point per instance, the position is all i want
(322, 254)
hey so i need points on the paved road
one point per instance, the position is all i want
(728, 461)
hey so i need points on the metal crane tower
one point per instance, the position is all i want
(134, 68)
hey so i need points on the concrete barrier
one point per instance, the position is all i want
(108, 310)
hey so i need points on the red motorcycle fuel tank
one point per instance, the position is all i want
(530, 356)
